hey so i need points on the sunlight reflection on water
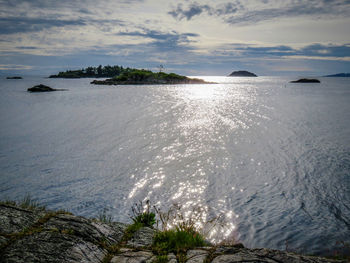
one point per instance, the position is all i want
(204, 116)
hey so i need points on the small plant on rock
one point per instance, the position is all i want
(177, 241)
(143, 215)
(161, 259)
(105, 217)
(27, 202)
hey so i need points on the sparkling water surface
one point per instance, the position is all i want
(272, 156)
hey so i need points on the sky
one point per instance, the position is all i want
(267, 37)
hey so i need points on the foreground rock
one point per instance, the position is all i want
(242, 73)
(306, 81)
(47, 236)
(43, 88)
(38, 235)
(15, 77)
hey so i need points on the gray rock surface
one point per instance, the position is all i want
(237, 254)
(30, 235)
(49, 246)
(15, 219)
(142, 238)
(172, 258)
(46, 236)
(196, 256)
(132, 257)
(83, 228)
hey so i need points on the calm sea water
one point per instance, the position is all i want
(273, 157)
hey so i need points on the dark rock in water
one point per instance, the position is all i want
(340, 75)
(15, 77)
(306, 81)
(242, 73)
(42, 88)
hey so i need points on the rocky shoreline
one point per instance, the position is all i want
(38, 235)
(149, 82)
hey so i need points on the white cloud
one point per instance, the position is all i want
(127, 29)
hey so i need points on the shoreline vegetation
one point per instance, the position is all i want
(141, 76)
(29, 232)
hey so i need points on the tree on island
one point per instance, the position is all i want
(93, 72)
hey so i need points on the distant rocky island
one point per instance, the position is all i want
(141, 76)
(340, 75)
(15, 77)
(242, 73)
(306, 81)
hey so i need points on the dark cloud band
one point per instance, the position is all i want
(238, 12)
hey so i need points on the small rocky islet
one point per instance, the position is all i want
(242, 73)
(304, 80)
(39, 235)
(14, 77)
(43, 88)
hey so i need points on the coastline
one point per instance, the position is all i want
(34, 234)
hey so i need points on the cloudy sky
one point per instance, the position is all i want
(268, 37)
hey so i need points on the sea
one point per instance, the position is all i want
(270, 157)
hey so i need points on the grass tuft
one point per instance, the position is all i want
(104, 217)
(161, 259)
(27, 202)
(176, 241)
(142, 214)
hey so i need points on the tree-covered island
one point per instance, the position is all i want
(118, 75)
(141, 76)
